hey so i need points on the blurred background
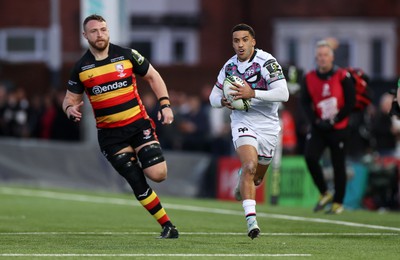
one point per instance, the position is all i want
(188, 41)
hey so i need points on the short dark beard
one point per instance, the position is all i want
(93, 45)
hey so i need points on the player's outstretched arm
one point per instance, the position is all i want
(72, 105)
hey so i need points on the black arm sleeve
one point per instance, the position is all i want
(349, 98)
(74, 84)
(140, 64)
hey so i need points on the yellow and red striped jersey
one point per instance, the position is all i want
(110, 85)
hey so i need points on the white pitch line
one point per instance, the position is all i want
(195, 233)
(105, 200)
(156, 255)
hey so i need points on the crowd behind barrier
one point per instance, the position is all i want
(38, 116)
(198, 128)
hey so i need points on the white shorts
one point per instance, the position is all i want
(264, 142)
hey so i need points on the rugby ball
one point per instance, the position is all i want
(229, 94)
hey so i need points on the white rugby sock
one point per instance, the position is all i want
(249, 207)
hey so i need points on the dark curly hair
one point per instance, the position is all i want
(244, 27)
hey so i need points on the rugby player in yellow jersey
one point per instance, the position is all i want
(106, 73)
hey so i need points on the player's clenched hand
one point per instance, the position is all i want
(243, 92)
(166, 115)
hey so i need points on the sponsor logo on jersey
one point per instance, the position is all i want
(147, 134)
(249, 72)
(138, 57)
(144, 194)
(120, 68)
(87, 67)
(243, 129)
(252, 75)
(117, 59)
(273, 68)
(72, 83)
(326, 90)
(97, 90)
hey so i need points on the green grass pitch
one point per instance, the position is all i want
(70, 224)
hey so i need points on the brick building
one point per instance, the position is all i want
(188, 40)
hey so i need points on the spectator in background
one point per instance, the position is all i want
(397, 122)
(61, 127)
(149, 100)
(359, 144)
(3, 105)
(395, 109)
(204, 95)
(35, 113)
(47, 119)
(219, 123)
(328, 98)
(180, 106)
(221, 141)
(16, 114)
(383, 128)
(193, 126)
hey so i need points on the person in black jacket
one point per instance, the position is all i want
(395, 108)
(383, 129)
(328, 98)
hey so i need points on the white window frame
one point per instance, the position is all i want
(38, 53)
(357, 32)
(162, 40)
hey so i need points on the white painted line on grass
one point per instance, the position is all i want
(105, 200)
(194, 233)
(154, 255)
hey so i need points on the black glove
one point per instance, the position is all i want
(324, 125)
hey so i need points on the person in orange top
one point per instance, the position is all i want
(126, 134)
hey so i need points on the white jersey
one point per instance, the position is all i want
(260, 72)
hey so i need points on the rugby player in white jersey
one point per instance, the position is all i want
(254, 132)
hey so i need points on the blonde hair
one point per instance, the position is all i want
(324, 43)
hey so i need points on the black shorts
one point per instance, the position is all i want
(112, 140)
